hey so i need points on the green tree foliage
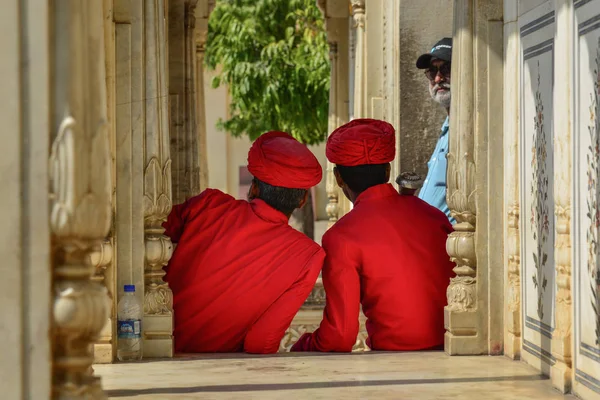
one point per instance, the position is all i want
(273, 55)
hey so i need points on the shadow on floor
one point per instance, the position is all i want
(313, 385)
(245, 356)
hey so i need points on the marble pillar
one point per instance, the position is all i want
(185, 146)
(512, 312)
(203, 10)
(26, 284)
(80, 192)
(474, 315)
(360, 61)
(337, 25)
(561, 372)
(157, 199)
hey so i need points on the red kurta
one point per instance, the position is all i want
(389, 254)
(239, 274)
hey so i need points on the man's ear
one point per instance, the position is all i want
(304, 199)
(254, 191)
(338, 178)
(388, 170)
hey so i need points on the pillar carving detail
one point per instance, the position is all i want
(80, 192)
(158, 298)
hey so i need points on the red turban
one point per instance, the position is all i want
(362, 141)
(280, 160)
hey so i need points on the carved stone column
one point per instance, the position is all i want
(358, 14)
(331, 185)
(158, 298)
(185, 146)
(473, 317)
(80, 192)
(25, 287)
(560, 372)
(336, 21)
(462, 293)
(203, 10)
(512, 337)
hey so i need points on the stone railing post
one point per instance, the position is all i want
(512, 336)
(80, 192)
(560, 372)
(158, 298)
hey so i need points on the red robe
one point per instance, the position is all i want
(239, 274)
(388, 254)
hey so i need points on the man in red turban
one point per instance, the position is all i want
(387, 254)
(240, 273)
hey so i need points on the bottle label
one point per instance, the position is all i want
(129, 329)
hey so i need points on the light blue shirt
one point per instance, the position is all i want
(434, 187)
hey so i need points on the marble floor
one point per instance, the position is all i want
(370, 375)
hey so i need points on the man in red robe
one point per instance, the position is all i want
(240, 273)
(387, 254)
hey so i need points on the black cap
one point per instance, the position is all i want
(442, 50)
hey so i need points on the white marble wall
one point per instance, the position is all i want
(536, 29)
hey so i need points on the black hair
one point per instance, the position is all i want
(282, 199)
(362, 177)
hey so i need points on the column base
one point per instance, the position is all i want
(103, 350)
(560, 375)
(512, 346)
(462, 333)
(158, 336)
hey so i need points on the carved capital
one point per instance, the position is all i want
(358, 13)
(189, 18)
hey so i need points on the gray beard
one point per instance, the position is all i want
(442, 99)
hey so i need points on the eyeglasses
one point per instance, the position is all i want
(444, 71)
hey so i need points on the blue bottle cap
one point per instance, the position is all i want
(129, 288)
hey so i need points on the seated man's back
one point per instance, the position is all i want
(402, 281)
(240, 272)
(388, 253)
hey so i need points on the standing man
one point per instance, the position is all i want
(240, 273)
(387, 254)
(436, 64)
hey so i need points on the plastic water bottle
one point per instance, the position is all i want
(129, 326)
